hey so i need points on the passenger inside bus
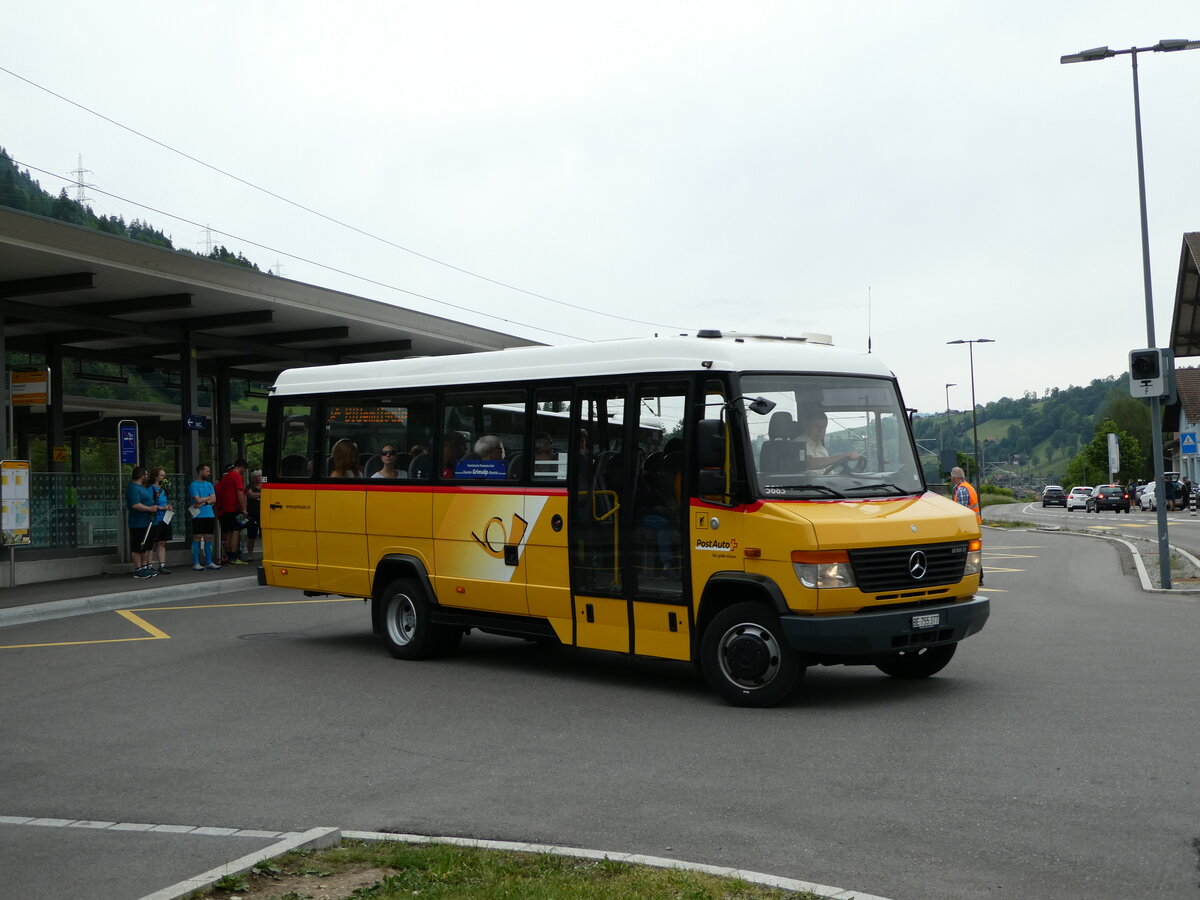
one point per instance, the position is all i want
(344, 462)
(389, 457)
(454, 448)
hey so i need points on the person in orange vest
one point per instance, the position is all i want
(964, 492)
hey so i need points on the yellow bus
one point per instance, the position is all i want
(753, 505)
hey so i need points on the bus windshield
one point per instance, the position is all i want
(830, 437)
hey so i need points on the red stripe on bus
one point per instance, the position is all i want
(416, 488)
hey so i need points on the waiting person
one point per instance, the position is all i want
(203, 496)
(253, 511)
(345, 460)
(813, 425)
(139, 500)
(160, 532)
(388, 455)
(231, 511)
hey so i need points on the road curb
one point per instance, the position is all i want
(313, 839)
(78, 606)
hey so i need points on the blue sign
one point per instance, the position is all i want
(1187, 443)
(127, 437)
(196, 423)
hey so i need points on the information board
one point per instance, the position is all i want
(14, 502)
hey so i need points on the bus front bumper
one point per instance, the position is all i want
(871, 634)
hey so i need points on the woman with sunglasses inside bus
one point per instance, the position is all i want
(387, 456)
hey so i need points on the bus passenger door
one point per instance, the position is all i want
(597, 517)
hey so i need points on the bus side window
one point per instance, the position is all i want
(295, 442)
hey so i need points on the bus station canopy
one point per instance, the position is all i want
(95, 296)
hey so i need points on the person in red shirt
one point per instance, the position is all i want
(231, 511)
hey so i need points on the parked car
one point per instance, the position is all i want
(1053, 495)
(1078, 497)
(1108, 496)
(1149, 498)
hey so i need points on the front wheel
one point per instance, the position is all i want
(746, 659)
(918, 663)
(407, 627)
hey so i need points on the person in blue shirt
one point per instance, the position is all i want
(139, 500)
(160, 533)
(202, 495)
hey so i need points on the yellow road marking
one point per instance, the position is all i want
(157, 634)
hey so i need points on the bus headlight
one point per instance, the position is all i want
(974, 564)
(829, 569)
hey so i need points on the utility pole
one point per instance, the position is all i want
(79, 172)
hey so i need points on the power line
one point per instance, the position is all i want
(331, 219)
(311, 262)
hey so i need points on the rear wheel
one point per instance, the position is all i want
(918, 663)
(407, 629)
(746, 659)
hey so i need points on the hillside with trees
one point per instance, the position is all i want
(1032, 440)
(20, 191)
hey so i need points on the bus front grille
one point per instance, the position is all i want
(910, 567)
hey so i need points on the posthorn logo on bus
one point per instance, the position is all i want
(918, 565)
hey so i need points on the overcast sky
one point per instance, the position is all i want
(918, 172)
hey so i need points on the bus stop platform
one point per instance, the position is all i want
(47, 600)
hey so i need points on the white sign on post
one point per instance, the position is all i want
(1114, 455)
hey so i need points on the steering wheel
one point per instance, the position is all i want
(846, 466)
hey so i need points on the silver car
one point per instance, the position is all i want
(1078, 498)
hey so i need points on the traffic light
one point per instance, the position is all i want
(1149, 372)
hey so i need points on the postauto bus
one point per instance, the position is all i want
(753, 505)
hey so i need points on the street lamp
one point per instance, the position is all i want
(1165, 46)
(974, 417)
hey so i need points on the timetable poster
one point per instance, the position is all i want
(14, 502)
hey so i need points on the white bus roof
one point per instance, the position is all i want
(719, 353)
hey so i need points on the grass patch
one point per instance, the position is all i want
(389, 871)
(1015, 523)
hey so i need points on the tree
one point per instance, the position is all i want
(1090, 465)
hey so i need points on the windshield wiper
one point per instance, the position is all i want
(881, 484)
(805, 487)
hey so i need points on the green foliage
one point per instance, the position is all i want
(1090, 466)
(993, 489)
(232, 883)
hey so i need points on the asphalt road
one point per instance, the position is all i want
(1183, 529)
(1054, 757)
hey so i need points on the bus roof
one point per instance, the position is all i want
(717, 353)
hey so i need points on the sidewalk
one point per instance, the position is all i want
(58, 599)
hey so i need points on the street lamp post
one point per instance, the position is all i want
(1164, 46)
(974, 416)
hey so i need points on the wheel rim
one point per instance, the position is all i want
(749, 655)
(401, 620)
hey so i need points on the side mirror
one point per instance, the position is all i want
(761, 405)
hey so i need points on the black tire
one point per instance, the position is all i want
(918, 663)
(407, 629)
(745, 657)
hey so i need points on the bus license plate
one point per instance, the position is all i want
(930, 621)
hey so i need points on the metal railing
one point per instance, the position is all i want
(73, 512)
